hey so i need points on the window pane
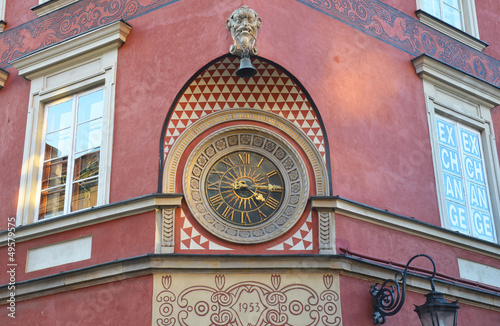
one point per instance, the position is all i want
(464, 180)
(432, 7)
(84, 194)
(54, 173)
(51, 203)
(86, 166)
(452, 16)
(59, 116)
(90, 106)
(452, 3)
(57, 144)
(88, 135)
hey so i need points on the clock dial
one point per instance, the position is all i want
(245, 184)
(244, 188)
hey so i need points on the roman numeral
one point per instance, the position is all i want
(272, 203)
(216, 200)
(227, 161)
(270, 174)
(245, 217)
(228, 212)
(260, 162)
(219, 173)
(213, 186)
(244, 158)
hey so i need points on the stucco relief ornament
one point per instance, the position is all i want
(244, 24)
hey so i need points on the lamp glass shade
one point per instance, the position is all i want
(436, 311)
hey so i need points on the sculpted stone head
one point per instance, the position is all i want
(243, 24)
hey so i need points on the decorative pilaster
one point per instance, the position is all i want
(326, 234)
(167, 236)
(326, 222)
(165, 222)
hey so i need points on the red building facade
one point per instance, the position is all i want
(144, 183)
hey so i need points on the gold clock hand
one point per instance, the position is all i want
(255, 194)
(270, 187)
(239, 184)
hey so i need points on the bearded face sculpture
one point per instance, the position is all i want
(243, 24)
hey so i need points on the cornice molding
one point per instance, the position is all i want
(91, 216)
(430, 68)
(89, 44)
(403, 32)
(451, 31)
(155, 264)
(405, 224)
(50, 6)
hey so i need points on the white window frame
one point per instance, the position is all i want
(469, 35)
(47, 6)
(76, 65)
(2, 14)
(467, 100)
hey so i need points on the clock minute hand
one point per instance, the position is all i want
(270, 187)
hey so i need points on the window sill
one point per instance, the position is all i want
(450, 31)
(51, 6)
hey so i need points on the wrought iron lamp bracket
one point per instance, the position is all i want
(389, 297)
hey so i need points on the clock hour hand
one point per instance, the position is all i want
(239, 184)
(242, 184)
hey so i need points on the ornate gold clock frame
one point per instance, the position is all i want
(245, 184)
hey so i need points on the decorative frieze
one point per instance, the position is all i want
(247, 299)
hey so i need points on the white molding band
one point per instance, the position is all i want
(91, 216)
(153, 264)
(432, 69)
(49, 6)
(405, 224)
(86, 45)
(451, 31)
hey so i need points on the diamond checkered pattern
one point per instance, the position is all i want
(218, 88)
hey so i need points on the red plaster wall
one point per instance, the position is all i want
(489, 25)
(127, 302)
(361, 86)
(13, 115)
(19, 12)
(117, 239)
(368, 239)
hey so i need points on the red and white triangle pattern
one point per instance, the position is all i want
(301, 240)
(218, 88)
(191, 239)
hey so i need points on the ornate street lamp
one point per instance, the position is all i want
(388, 299)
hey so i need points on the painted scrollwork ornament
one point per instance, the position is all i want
(244, 24)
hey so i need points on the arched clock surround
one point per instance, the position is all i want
(214, 99)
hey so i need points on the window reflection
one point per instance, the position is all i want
(70, 172)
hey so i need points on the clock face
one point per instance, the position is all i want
(244, 188)
(245, 184)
